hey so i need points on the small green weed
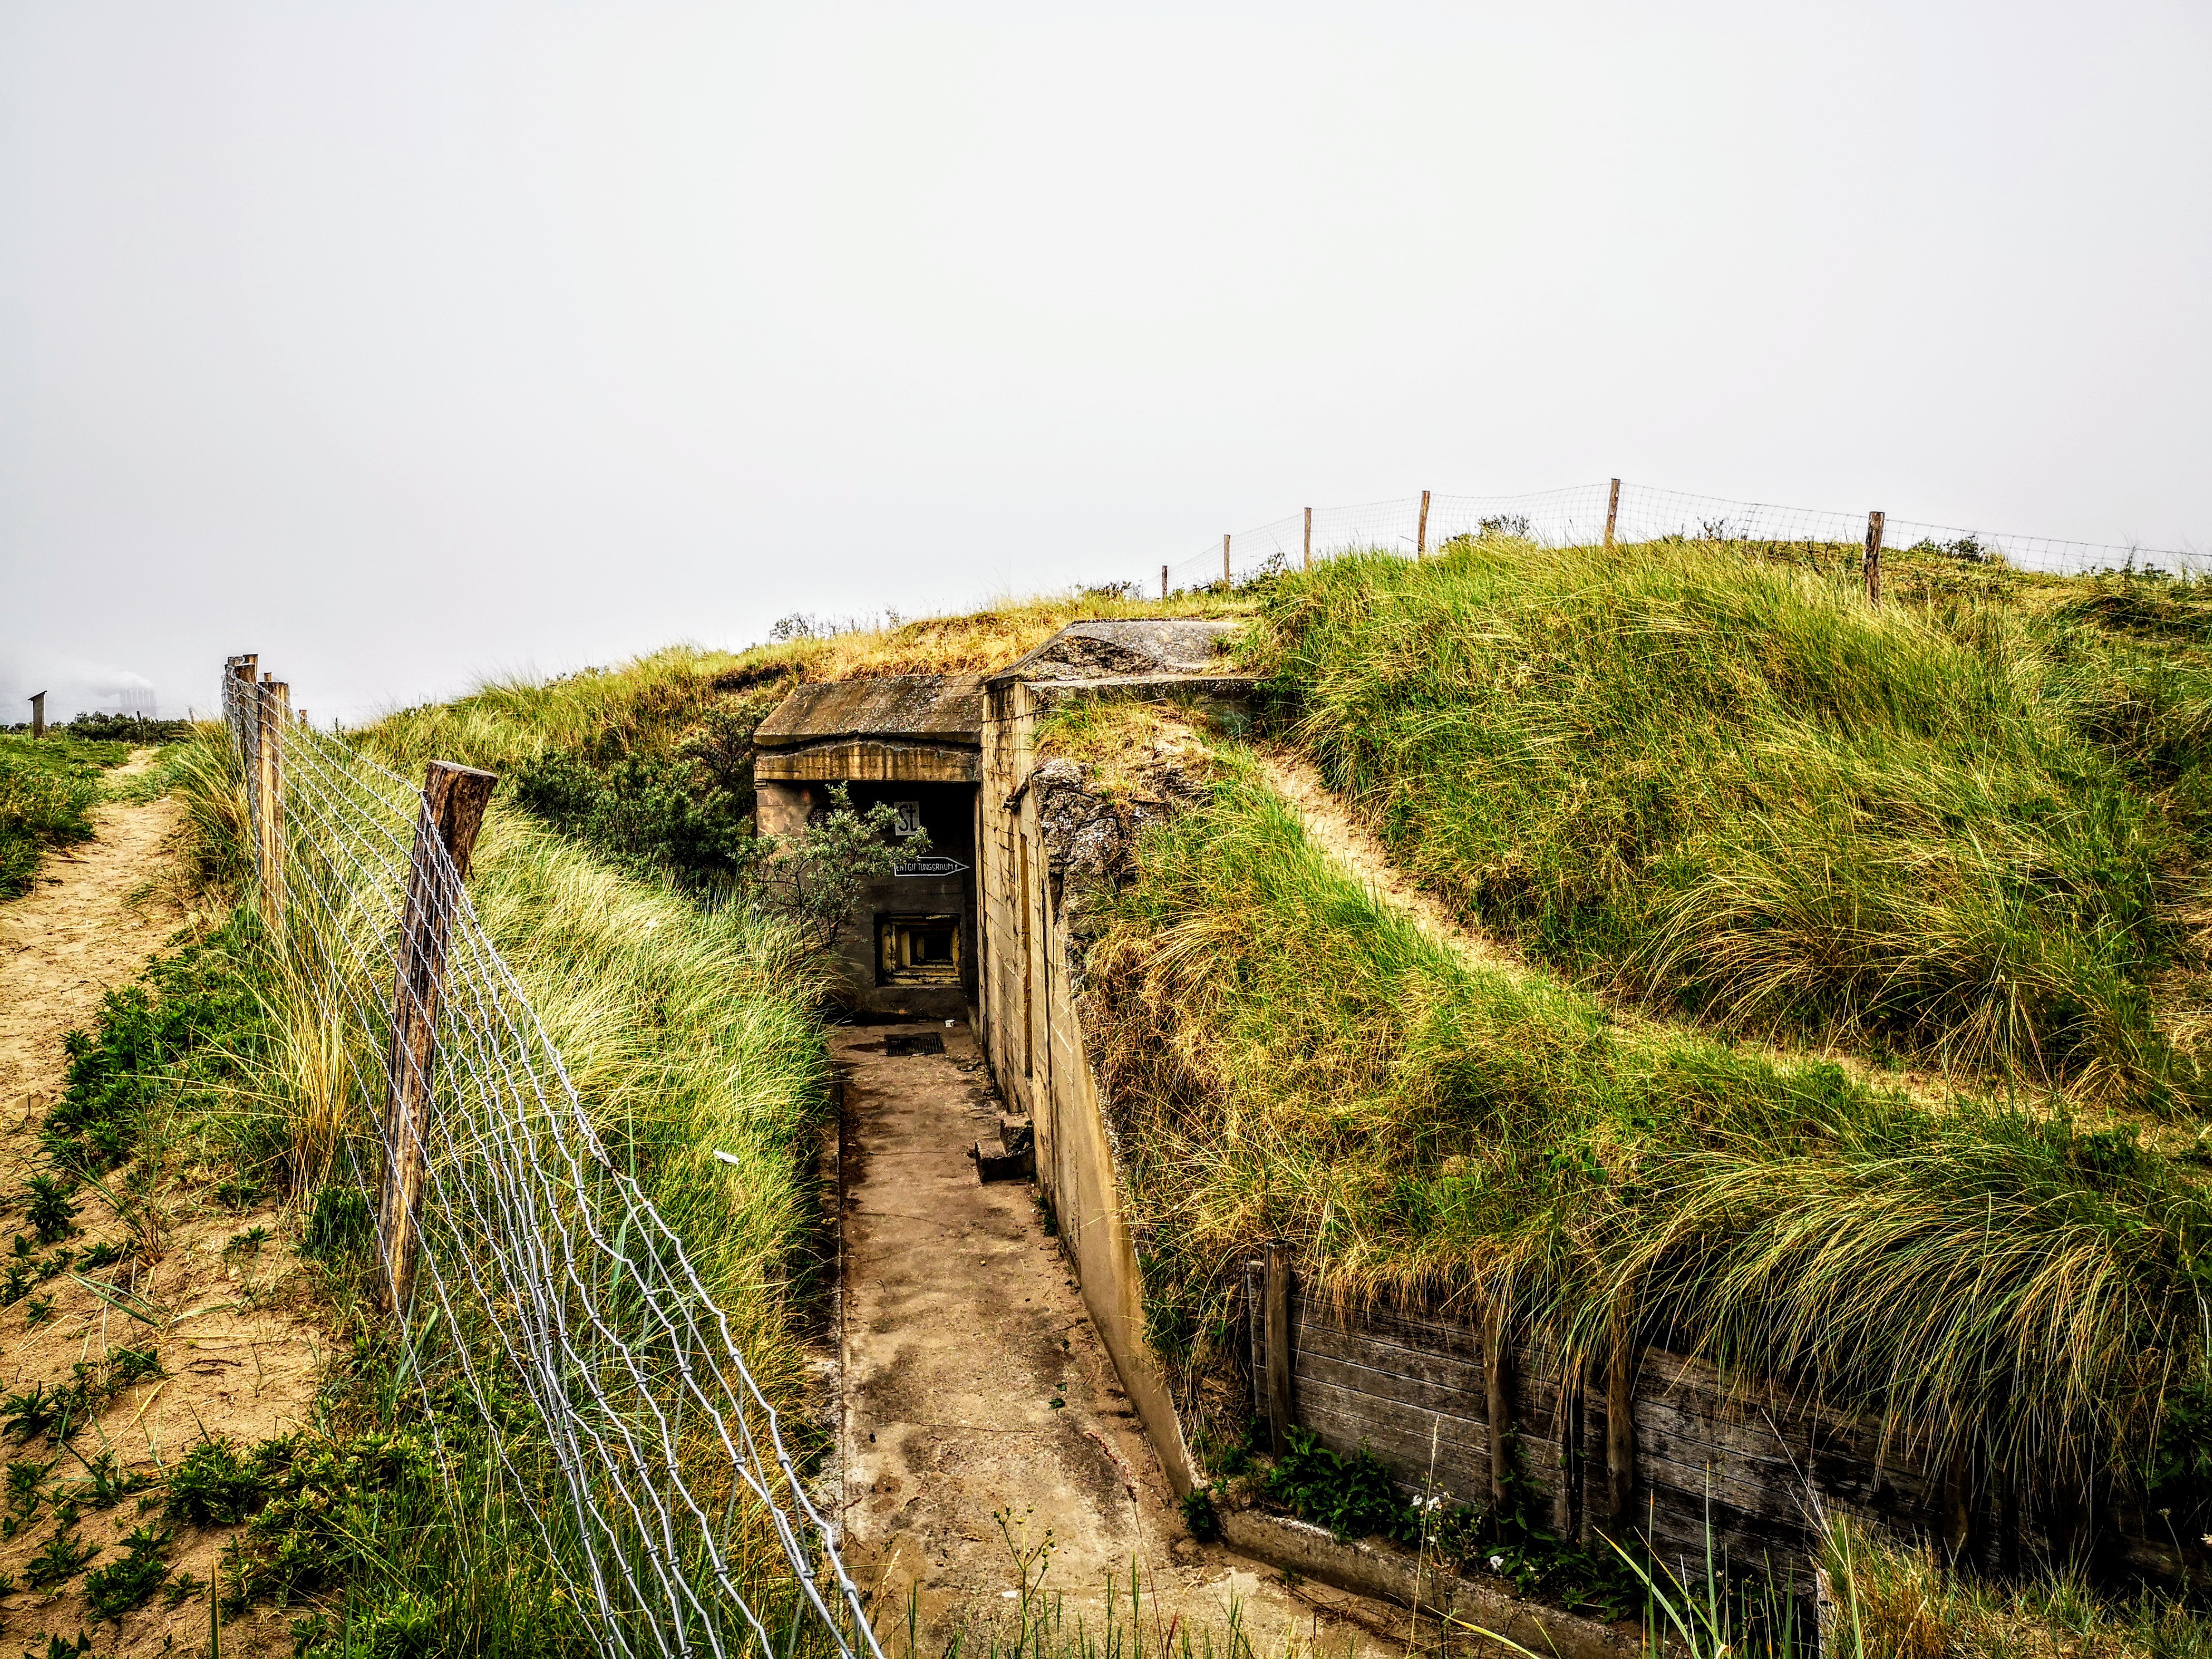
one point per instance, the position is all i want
(48, 1207)
(29, 1413)
(114, 1589)
(63, 1555)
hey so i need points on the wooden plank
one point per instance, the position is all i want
(1312, 1367)
(1401, 1434)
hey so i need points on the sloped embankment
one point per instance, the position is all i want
(1290, 1055)
(1962, 828)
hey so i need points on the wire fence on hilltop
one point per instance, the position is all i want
(1578, 517)
(544, 1271)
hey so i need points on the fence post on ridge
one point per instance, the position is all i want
(1224, 559)
(1310, 538)
(1421, 529)
(454, 802)
(1874, 558)
(1611, 513)
(38, 713)
(1163, 581)
(1277, 1322)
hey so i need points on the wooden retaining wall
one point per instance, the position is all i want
(1748, 1462)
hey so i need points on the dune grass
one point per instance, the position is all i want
(1291, 1058)
(1959, 828)
(651, 705)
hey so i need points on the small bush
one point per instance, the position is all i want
(213, 1486)
(1352, 1495)
(47, 1206)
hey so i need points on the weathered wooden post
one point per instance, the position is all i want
(1619, 1424)
(1874, 558)
(272, 715)
(1278, 1347)
(38, 713)
(1498, 1377)
(1163, 581)
(1224, 559)
(245, 706)
(1421, 529)
(1310, 538)
(454, 802)
(1611, 513)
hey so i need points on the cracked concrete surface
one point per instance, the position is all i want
(975, 1388)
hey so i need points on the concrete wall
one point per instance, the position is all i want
(1034, 1041)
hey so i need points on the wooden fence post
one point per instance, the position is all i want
(1619, 1425)
(273, 715)
(1163, 581)
(1278, 1347)
(1874, 558)
(454, 802)
(1224, 559)
(1421, 529)
(1310, 538)
(1498, 1376)
(38, 713)
(1611, 513)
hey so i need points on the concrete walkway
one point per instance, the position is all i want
(979, 1401)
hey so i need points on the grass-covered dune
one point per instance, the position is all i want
(654, 705)
(1291, 1058)
(1964, 827)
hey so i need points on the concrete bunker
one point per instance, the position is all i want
(912, 742)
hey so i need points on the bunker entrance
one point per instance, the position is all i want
(918, 949)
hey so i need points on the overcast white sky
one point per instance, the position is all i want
(405, 344)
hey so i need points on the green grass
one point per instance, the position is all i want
(47, 791)
(1961, 828)
(1290, 1058)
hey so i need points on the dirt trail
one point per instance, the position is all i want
(974, 1383)
(1349, 843)
(1333, 829)
(240, 1362)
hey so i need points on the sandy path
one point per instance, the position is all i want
(242, 1359)
(974, 1383)
(1354, 846)
(74, 936)
(1337, 833)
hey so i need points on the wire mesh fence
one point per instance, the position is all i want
(537, 1288)
(1584, 516)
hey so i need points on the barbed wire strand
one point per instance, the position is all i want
(1575, 517)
